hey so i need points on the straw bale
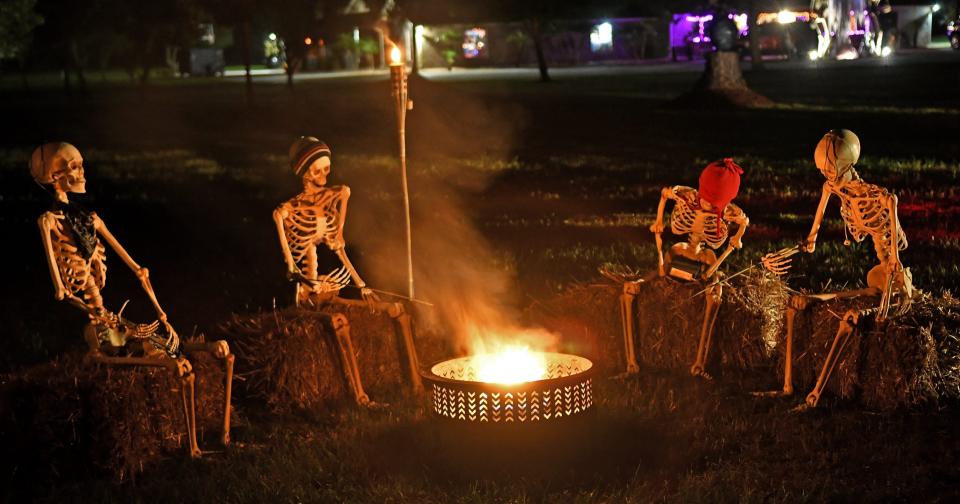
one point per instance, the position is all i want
(911, 360)
(72, 417)
(669, 316)
(289, 359)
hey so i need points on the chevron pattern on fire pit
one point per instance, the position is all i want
(458, 395)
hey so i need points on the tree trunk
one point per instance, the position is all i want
(144, 57)
(756, 59)
(247, 57)
(535, 32)
(292, 61)
(722, 86)
(171, 56)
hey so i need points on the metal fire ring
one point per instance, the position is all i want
(457, 394)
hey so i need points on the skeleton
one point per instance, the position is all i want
(706, 228)
(866, 210)
(77, 261)
(316, 217)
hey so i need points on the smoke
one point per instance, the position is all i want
(471, 284)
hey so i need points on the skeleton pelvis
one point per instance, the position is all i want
(307, 296)
(118, 341)
(685, 263)
(879, 275)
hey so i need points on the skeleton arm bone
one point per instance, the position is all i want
(894, 259)
(278, 216)
(811, 243)
(339, 245)
(665, 194)
(46, 222)
(343, 196)
(735, 242)
(657, 227)
(142, 273)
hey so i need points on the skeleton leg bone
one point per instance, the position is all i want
(847, 326)
(627, 303)
(403, 326)
(706, 331)
(188, 399)
(220, 350)
(348, 359)
(796, 304)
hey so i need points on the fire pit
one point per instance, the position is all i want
(522, 387)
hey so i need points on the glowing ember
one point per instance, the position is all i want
(515, 364)
(395, 56)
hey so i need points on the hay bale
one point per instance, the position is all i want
(669, 316)
(907, 361)
(71, 417)
(288, 358)
(587, 316)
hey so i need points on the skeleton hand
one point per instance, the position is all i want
(295, 276)
(656, 227)
(173, 340)
(736, 242)
(779, 262)
(809, 246)
(368, 295)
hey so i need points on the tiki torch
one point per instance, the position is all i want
(398, 77)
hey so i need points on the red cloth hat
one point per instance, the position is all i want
(720, 182)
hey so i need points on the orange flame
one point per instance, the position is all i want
(513, 364)
(395, 56)
(505, 355)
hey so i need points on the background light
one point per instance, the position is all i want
(786, 17)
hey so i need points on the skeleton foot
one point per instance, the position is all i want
(773, 393)
(698, 371)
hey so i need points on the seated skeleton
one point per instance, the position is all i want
(316, 217)
(77, 261)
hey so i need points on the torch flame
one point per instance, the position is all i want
(395, 55)
(514, 364)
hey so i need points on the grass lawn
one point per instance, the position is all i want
(519, 189)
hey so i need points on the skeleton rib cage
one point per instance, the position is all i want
(311, 221)
(864, 212)
(683, 218)
(79, 275)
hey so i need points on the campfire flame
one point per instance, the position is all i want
(513, 364)
(395, 56)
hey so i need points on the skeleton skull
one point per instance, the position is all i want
(836, 154)
(60, 164)
(315, 176)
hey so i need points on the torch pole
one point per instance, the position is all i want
(399, 79)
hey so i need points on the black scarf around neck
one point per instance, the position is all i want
(79, 222)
